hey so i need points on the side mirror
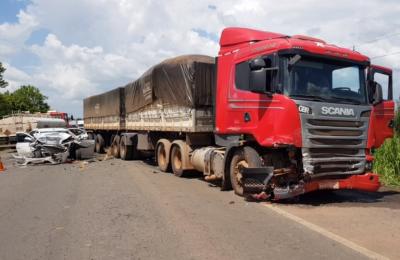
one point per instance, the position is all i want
(378, 94)
(257, 64)
(258, 76)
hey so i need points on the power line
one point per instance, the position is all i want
(385, 36)
(390, 54)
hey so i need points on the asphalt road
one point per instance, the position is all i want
(129, 210)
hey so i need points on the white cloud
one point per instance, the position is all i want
(13, 36)
(15, 77)
(74, 71)
(95, 45)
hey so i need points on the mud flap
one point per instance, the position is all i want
(255, 180)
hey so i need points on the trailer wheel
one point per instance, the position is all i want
(125, 151)
(115, 146)
(176, 161)
(99, 147)
(162, 155)
(243, 157)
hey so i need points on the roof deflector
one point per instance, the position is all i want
(308, 38)
(235, 35)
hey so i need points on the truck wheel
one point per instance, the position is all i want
(115, 146)
(226, 184)
(162, 157)
(176, 161)
(99, 147)
(243, 157)
(125, 151)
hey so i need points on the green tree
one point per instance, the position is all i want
(3, 83)
(28, 98)
(4, 104)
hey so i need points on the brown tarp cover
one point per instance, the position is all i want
(185, 80)
(110, 103)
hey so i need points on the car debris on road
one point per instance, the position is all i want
(54, 146)
(2, 168)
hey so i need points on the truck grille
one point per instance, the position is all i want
(334, 147)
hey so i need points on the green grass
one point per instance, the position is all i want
(387, 158)
(387, 161)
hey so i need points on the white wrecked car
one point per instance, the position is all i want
(53, 145)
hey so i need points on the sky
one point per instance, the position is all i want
(71, 49)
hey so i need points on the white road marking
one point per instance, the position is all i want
(362, 250)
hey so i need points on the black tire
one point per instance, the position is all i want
(99, 146)
(125, 151)
(115, 146)
(176, 161)
(162, 161)
(242, 157)
(226, 179)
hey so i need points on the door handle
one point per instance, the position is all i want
(247, 117)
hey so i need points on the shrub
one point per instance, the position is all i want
(397, 123)
(387, 161)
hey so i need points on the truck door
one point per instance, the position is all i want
(383, 113)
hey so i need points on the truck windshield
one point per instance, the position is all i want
(327, 81)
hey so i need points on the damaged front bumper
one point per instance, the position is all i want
(365, 182)
(256, 184)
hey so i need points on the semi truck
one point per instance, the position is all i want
(272, 116)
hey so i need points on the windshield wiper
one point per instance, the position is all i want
(308, 97)
(347, 100)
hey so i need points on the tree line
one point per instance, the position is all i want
(25, 98)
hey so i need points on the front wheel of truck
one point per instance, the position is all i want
(242, 157)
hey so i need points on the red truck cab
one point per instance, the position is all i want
(309, 108)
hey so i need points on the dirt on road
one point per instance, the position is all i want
(117, 209)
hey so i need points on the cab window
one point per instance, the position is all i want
(383, 80)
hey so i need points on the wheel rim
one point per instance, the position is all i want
(238, 176)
